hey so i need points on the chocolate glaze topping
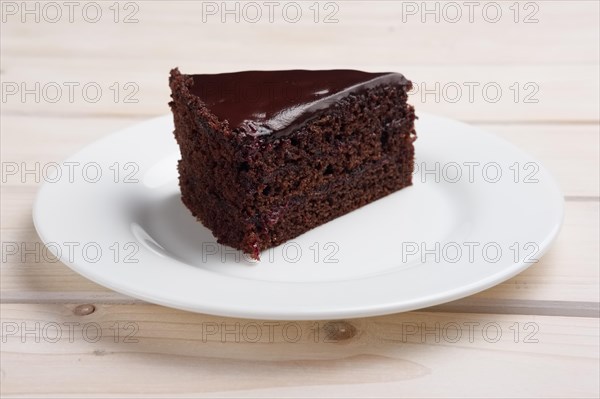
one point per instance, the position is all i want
(265, 102)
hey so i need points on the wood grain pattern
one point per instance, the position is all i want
(411, 354)
(57, 137)
(33, 275)
(565, 33)
(549, 77)
(473, 93)
(556, 54)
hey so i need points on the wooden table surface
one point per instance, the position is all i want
(534, 74)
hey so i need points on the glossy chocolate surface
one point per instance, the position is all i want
(264, 102)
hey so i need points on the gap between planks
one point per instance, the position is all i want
(465, 305)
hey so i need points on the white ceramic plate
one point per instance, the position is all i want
(480, 211)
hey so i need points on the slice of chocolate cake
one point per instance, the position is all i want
(269, 155)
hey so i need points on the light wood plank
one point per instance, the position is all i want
(365, 32)
(371, 35)
(474, 93)
(52, 139)
(571, 152)
(567, 273)
(404, 355)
